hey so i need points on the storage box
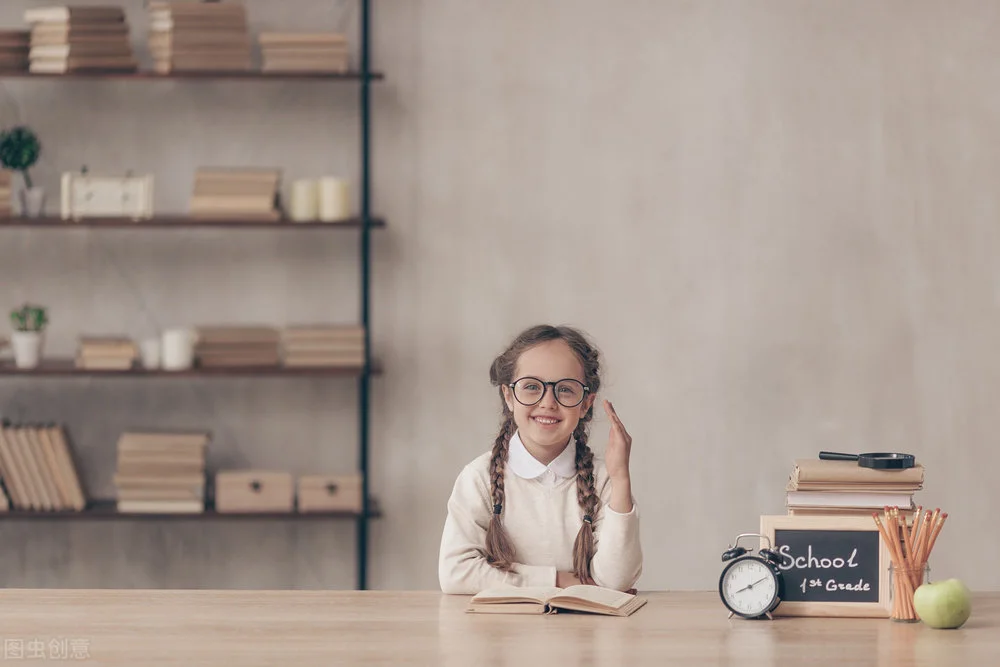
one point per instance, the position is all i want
(254, 491)
(330, 493)
(86, 195)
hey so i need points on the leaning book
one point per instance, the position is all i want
(550, 600)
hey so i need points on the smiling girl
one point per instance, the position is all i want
(538, 510)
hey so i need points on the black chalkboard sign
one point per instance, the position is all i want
(831, 565)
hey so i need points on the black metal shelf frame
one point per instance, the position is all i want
(364, 223)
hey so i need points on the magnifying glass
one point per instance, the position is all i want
(879, 460)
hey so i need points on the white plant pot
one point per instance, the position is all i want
(33, 201)
(27, 347)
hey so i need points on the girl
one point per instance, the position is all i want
(538, 510)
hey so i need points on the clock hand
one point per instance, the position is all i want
(752, 585)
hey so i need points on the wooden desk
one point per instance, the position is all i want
(296, 628)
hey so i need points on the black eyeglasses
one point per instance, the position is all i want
(569, 392)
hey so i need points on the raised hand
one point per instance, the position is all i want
(619, 447)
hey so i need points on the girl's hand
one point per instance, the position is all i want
(619, 447)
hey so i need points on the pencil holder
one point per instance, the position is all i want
(903, 581)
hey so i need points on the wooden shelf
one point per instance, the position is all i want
(67, 368)
(106, 510)
(181, 222)
(194, 76)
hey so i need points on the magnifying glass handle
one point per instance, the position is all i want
(834, 456)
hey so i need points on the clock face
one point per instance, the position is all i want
(748, 587)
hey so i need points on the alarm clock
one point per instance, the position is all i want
(751, 585)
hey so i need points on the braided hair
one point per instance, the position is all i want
(499, 549)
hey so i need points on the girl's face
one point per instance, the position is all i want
(546, 427)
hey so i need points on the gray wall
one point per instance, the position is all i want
(776, 218)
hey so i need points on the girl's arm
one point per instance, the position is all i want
(462, 566)
(617, 562)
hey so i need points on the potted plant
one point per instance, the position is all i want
(19, 150)
(28, 336)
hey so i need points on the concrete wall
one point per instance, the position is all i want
(776, 218)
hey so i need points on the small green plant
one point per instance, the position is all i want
(29, 318)
(19, 150)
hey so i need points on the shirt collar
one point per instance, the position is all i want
(523, 464)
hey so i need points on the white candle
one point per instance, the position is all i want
(334, 199)
(304, 200)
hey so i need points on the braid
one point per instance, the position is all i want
(499, 550)
(586, 494)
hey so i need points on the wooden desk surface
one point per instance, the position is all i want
(241, 628)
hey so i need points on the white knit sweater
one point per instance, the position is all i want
(542, 521)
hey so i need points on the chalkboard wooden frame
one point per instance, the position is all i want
(880, 609)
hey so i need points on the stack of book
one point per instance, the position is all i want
(108, 353)
(237, 346)
(14, 45)
(304, 52)
(74, 39)
(323, 345)
(5, 193)
(199, 37)
(234, 193)
(161, 472)
(818, 487)
(38, 470)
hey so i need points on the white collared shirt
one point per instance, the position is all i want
(524, 465)
(542, 517)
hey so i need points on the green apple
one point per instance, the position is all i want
(943, 604)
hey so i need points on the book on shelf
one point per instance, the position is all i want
(323, 345)
(14, 47)
(236, 192)
(199, 36)
(38, 470)
(237, 346)
(106, 353)
(551, 599)
(5, 192)
(75, 14)
(72, 39)
(304, 52)
(161, 472)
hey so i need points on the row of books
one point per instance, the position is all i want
(14, 47)
(844, 488)
(161, 472)
(183, 36)
(236, 193)
(67, 39)
(301, 346)
(108, 353)
(37, 470)
(341, 346)
(193, 36)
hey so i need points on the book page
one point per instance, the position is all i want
(514, 594)
(605, 597)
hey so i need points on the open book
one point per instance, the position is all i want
(550, 599)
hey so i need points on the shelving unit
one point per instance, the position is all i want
(363, 224)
